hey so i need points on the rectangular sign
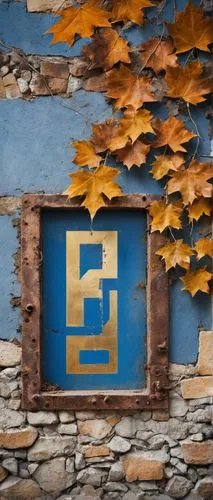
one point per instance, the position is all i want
(94, 299)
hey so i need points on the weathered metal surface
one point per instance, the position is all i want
(155, 395)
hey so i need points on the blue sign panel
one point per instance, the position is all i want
(94, 302)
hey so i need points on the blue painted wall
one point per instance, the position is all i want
(35, 156)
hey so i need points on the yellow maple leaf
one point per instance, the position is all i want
(192, 182)
(176, 253)
(131, 126)
(107, 49)
(202, 247)
(198, 208)
(191, 29)
(129, 89)
(163, 164)
(164, 215)
(157, 54)
(195, 281)
(79, 21)
(129, 10)
(187, 83)
(133, 154)
(86, 154)
(93, 185)
(172, 133)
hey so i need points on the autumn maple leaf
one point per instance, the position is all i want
(129, 10)
(94, 185)
(133, 154)
(163, 164)
(86, 154)
(198, 208)
(191, 29)
(192, 182)
(131, 126)
(172, 133)
(187, 83)
(176, 253)
(107, 49)
(102, 134)
(79, 21)
(195, 281)
(157, 54)
(203, 247)
(128, 88)
(164, 215)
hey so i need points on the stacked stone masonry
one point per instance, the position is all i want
(101, 455)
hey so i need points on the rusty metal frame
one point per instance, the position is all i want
(37, 397)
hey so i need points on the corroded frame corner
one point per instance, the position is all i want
(34, 396)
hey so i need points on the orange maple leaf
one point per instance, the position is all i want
(203, 247)
(128, 88)
(188, 83)
(86, 154)
(198, 208)
(102, 134)
(163, 164)
(172, 133)
(195, 281)
(191, 29)
(192, 182)
(129, 10)
(157, 54)
(164, 215)
(131, 126)
(79, 21)
(93, 185)
(176, 253)
(107, 49)
(133, 154)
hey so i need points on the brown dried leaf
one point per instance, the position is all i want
(176, 253)
(102, 134)
(157, 54)
(188, 83)
(192, 182)
(131, 126)
(203, 247)
(164, 215)
(195, 281)
(79, 21)
(86, 154)
(163, 164)
(191, 29)
(107, 49)
(172, 133)
(93, 185)
(129, 89)
(198, 208)
(133, 154)
(129, 10)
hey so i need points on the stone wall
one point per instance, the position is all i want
(110, 455)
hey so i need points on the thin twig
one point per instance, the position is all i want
(196, 129)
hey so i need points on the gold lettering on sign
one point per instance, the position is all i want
(88, 286)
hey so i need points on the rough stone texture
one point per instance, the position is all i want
(136, 467)
(178, 487)
(126, 427)
(116, 472)
(10, 354)
(178, 407)
(19, 489)
(66, 417)
(197, 453)
(22, 438)
(46, 5)
(42, 418)
(119, 445)
(54, 69)
(205, 358)
(98, 429)
(96, 451)
(53, 477)
(205, 487)
(198, 387)
(70, 429)
(91, 476)
(3, 474)
(50, 447)
(10, 418)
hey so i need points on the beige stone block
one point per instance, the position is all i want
(9, 79)
(96, 451)
(10, 354)
(2, 89)
(45, 5)
(13, 92)
(3, 474)
(198, 387)
(54, 69)
(98, 429)
(18, 439)
(197, 453)
(205, 358)
(142, 469)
